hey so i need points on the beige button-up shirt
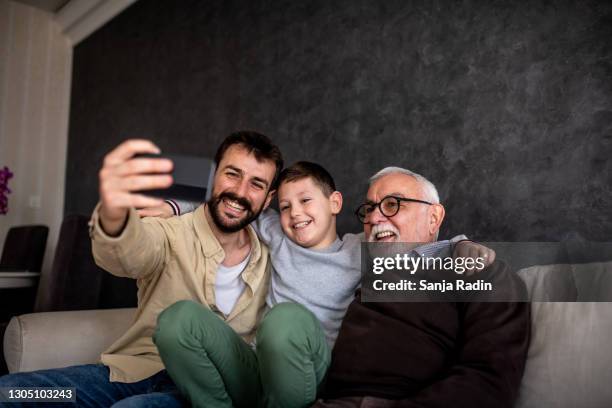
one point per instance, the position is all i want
(172, 259)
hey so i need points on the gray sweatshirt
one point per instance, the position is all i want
(322, 280)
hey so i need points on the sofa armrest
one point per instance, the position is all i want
(59, 339)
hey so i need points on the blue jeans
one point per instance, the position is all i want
(93, 388)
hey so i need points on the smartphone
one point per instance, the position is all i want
(193, 178)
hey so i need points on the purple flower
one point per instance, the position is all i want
(5, 175)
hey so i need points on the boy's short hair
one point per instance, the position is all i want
(257, 144)
(316, 172)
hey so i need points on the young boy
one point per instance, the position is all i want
(314, 278)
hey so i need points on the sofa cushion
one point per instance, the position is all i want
(59, 339)
(568, 362)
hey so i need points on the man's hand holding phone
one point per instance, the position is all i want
(122, 175)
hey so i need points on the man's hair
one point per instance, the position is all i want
(316, 172)
(429, 190)
(257, 144)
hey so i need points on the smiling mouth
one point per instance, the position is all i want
(301, 225)
(384, 235)
(233, 206)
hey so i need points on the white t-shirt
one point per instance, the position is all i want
(229, 285)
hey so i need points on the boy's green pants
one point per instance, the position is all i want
(213, 367)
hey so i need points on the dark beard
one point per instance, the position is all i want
(213, 204)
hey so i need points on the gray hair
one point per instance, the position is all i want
(429, 190)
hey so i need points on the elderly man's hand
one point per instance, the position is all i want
(469, 249)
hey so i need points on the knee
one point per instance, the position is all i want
(176, 321)
(288, 312)
(285, 323)
(178, 312)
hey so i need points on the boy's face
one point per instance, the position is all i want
(307, 215)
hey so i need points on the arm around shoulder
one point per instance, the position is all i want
(268, 226)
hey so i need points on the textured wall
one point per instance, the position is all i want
(505, 106)
(35, 61)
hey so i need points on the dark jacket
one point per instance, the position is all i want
(469, 354)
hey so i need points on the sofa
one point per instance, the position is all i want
(569, 363)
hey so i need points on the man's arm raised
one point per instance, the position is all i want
(121, 243)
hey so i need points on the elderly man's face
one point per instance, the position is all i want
(414, 222)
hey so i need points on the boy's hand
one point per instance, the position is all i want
(122, 175)
(163, 211)
(469, 249)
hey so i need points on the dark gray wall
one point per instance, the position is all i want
(505, 106)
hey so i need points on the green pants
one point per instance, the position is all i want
(214, 367)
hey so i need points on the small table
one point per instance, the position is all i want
(18, 279)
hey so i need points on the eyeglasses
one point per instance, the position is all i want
(388, 206)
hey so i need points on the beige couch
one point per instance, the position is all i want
(569, 362)
(59, 339)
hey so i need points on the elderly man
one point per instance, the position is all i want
(437, 354)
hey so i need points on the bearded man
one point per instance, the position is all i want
(174, 259)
